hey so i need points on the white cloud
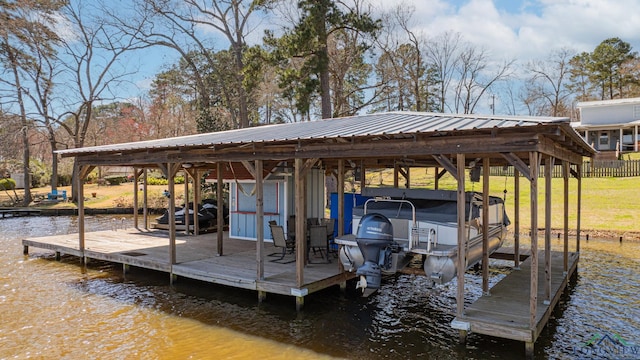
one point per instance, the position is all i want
(530, 29)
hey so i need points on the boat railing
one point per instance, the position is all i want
(418, 233)
(414, 238)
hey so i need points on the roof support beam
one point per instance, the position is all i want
(364, 148)
(517, 163)
(250, 168)
(448, 165)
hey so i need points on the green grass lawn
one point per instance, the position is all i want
(608, 204)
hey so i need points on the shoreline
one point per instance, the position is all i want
(612, 235)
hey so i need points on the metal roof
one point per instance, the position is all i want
(580, 126)
(391, 123)
(583, 104)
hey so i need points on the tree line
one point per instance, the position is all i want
(251, 62)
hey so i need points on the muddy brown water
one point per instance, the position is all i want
(58, 309)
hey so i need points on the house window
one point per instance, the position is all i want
(603, 138)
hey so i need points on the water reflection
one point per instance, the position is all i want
(53, 309)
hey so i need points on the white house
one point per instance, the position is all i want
(610, 125)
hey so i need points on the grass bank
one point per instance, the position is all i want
(610, 206)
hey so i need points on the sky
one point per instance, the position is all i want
(529, 29)
(506, 29)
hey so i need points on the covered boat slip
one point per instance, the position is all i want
(196, 259)
(443, 143)
(505, 313)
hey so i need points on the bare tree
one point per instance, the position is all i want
(442, 51)
(549, 77)
(45, 68)
(409, 81)
(25, 27)
(182, 26)
(92, 69)
(475, 78)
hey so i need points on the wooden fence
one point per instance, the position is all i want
(595, 169)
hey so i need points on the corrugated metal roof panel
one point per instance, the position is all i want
(364, 125)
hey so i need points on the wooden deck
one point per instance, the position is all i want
(18, 212)
(505, 312)
(197, 259)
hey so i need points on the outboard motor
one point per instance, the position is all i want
(374, 237)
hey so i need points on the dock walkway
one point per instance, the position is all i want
(18, 212)
(196, 259)
(504, 312)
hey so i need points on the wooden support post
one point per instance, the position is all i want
(528, 349)
(259, 220)
(220, 210)
(301, 238)
(548, 174)
(565, 252)
(533, 288)
(579, 209)
(145, 200)
(396, 171)
(462, 254)
(135, 197)
(516, 221)
(485, 226)
(187, 216)
(125, 269)
(299, 303)
(262, 296)
(408, 177)
(436, 178)
(58, 256)
(81, 170)
(462, 336)
(195, 177)
(25, 250)
(363, 176)
(171, 173)
(340, 187)
(340, 197)
(405, 171)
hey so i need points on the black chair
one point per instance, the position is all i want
(330, 224)
(318, 240)
(279, 240)
(291, 228)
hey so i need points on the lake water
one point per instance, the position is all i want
(51, 309)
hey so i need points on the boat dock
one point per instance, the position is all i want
(197, 259)
(18, 212)
(504, 311)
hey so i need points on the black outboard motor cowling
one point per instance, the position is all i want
(375, 233)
